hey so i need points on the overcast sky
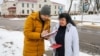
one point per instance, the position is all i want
(1, 1)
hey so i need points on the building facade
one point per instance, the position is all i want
(25, 7)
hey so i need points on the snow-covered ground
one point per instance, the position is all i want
(82, 24)
(89, 18)
(11, 43)
(17, 18)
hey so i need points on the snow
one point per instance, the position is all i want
(88, 18)
(17, 19)
(88, 24)
(84, 54)
(82, 24)
(56, 21)
(11, 43)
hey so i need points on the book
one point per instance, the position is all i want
(49, 34)
(55, 46)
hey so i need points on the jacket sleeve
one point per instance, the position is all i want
(29, 27)
(48, 28)
(75, 43)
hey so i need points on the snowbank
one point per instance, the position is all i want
(11, 43)
(56, 21)
(88, 18)
(17, 19)
(88, 24)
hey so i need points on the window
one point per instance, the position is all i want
(55, 12)
(39, 5)
(23, 12)
(58, 12)
(58, 7)
(27, 11)
(32, 5)
(22, 4)
(55, 7)
(14, 5)
(45, 0)
(27, 5)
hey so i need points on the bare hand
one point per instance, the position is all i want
(44, 32)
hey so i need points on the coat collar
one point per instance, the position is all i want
(36, 16)
(67, 28)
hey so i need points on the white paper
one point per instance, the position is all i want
(53, 32)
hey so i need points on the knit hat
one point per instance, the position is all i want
(46, 10)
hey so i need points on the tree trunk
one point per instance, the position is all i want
(70, 6)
